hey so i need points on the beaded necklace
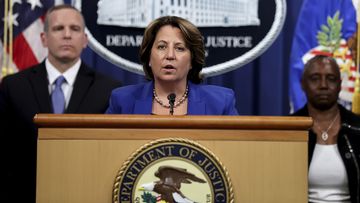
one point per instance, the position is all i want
(182, 99)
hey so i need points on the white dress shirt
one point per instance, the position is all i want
(69, 75)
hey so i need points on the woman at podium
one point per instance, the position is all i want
(173, 54)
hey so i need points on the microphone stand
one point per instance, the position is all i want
(356, 129)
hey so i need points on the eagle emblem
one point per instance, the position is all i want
(172, 170)
(168, 187)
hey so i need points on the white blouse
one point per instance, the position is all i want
(328, 181)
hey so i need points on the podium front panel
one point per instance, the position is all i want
(78, 164)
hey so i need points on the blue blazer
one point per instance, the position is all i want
(202, 100)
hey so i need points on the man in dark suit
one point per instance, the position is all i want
(32, 91)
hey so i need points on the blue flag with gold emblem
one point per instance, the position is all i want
(321, 23)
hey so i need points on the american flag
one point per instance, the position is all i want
(22, 23)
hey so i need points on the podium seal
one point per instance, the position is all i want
(172, 170)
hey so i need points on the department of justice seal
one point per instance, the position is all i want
(235, 31)
(172, 170)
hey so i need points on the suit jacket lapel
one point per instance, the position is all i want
(39, 81)
(82, 84)
(143, 105)
(195, 105)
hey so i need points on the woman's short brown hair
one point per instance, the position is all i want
(193, 40)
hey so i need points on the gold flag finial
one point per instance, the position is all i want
(356, 96)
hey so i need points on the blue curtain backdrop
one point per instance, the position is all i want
(261, 86)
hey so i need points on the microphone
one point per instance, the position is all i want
(171, 97)
(351, 127)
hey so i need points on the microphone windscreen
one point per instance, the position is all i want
(351, 127)
(171, 97)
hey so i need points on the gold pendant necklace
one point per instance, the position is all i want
(324, 134)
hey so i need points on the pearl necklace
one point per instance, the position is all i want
(324, 134)
(182, 99)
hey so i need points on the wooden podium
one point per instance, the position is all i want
(79, 156)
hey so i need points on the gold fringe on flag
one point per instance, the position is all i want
(356, 97)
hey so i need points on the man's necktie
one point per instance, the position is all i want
(57, 96)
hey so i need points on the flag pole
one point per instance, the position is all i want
(356, 96)
(11, 32)
(5, 38)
